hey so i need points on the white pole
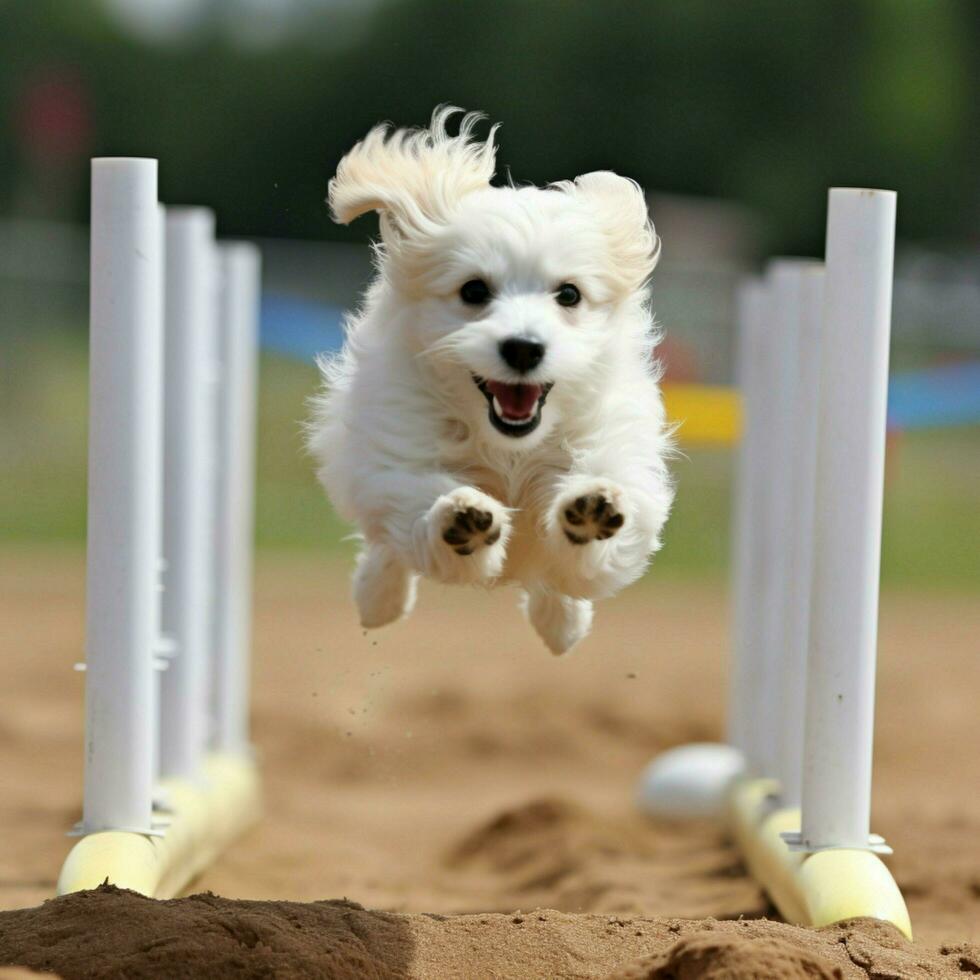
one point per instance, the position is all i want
(125, 420)
(190, 327)
(163, 648)
(749, 514)
(783, 286)
(847, 521)
(800, 353)
(763, 680)
(239, 317)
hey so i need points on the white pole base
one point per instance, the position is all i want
(690, 781)
(795, 842)
(203, 820)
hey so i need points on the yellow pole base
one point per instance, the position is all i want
(810, 889)
(204, 819)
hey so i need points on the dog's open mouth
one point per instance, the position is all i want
(515, 410)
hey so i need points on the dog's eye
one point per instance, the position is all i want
(475, 292)
(568, 295)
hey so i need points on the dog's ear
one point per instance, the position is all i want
(622, 212)
(412, 177)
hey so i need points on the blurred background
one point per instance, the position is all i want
(735, 117)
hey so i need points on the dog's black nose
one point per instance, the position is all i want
(521, 355)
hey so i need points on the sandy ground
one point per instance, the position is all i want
(450, 765)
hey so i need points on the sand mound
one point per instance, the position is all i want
(550, 850)
(110, 933)
(114, 933)
(554, 852)
(722, 957)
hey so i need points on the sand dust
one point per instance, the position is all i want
(450, 766)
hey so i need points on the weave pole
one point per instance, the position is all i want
(239, 267)
(124, 495)
(189, 497)
(782, 279)
(802, 458)
(850, 482)
(797, 301)
(807, 550)
(750, 507)
(164, 473)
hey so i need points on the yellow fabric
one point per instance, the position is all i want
(706, 414)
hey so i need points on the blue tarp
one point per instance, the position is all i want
(299, 328)
(938, 396)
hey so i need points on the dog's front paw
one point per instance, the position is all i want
(473, 526)
(466, 527)
(593, 514)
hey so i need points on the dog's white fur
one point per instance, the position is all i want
(401, 432)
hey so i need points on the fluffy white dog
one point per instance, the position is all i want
(494, 415)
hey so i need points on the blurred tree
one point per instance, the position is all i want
(761, 101)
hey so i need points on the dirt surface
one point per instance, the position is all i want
(207, 936)
(450, 766)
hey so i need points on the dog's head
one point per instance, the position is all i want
(514, 291)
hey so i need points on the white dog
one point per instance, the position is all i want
(495, 415)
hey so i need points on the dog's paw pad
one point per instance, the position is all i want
(592, 517)
(470, 528)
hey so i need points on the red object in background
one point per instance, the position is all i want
(680, 361)
(54, 121)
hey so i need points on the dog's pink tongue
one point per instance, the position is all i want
(516, 401)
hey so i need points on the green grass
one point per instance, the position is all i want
(43, 426)
(291, 510)
(932, 514)
(932, 509)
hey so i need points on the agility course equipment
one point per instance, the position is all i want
(169, 778)
(795, 778)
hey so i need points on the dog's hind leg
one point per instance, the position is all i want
(384, 589)
(559, 620)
